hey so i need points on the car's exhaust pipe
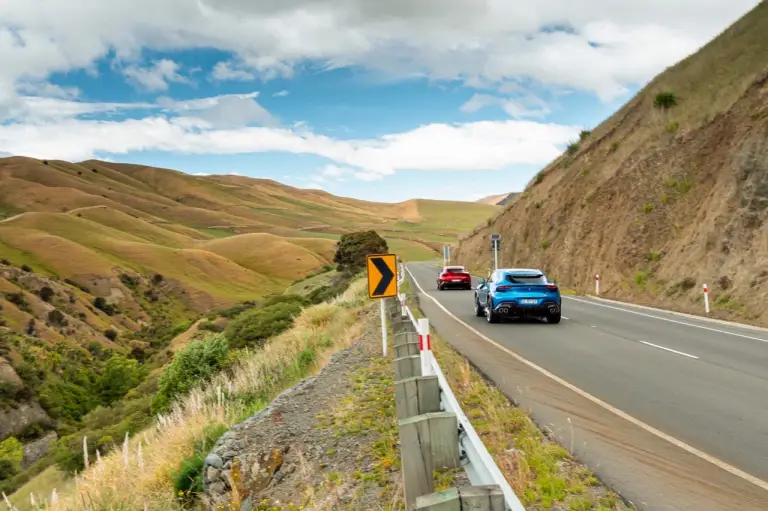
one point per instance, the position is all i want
(503, 310)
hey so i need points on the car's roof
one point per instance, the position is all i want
(453, 267)
(522, 271)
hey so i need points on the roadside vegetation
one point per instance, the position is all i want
(98, 401)
(542, 473)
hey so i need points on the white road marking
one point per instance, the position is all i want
(668, 319)
(637, 422)
(564, 317)
(669, 349)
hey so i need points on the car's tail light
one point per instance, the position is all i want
(552, 288)
(503, 288)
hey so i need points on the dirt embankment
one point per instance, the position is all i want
(658, 202)
(329, 443)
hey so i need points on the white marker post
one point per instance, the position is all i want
(383, 326)
(597, 284)
(425, 347)
(706, 299)
(403, 312)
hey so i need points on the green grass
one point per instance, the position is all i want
(411, 250)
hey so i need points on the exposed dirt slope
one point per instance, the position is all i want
(659, 202)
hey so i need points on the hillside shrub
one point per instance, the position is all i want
(65, 400)
(26, 268)
(46, 293)
(665, 100)
(573, 148)
(584, 134)
(157, 278)
(11, 454)
(107, 308)
(57, 318)
(120, 375)
(253, 328)
(19, 300)
(129, 281)
(188, 479)
(192, 366)
(353, 248)
(210, 326)
(110, 334)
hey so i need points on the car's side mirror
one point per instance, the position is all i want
(481, 282)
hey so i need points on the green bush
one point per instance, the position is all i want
(46, 293)
(7, 470)
(120, 375)
(12, 452)
(210, 326)
(665, 100)
(65, 400)
(253, 328)
(196, 363)
(101, 303)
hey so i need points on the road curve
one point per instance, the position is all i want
(681, 416)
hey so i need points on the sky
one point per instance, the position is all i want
(373, 99)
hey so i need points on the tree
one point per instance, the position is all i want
(353, 248)
(46, 293)
(120, 375)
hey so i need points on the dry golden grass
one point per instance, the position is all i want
(267, 254)
(142, 229)
(138, 477)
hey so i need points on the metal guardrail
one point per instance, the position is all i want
(478, 464)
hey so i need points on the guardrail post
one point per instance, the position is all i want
(407, 367)
(417, 396)
(425, 346)
(476, 498)
(428, 442)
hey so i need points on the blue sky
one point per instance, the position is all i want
(380, 101)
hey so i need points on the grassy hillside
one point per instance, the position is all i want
(667, 194)
(109, 271)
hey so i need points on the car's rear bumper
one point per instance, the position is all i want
(461, 284)
(512, 309)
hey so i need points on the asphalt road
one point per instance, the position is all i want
(704, 385)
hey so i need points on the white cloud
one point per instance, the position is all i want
(280, 94)
(230, 71)
(479, 42)
(156, 76)
(525, 106)
(433, 147)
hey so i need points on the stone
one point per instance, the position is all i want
(212, 474)
(214, 460)
(217, 488)
(247, 504)
(38, 449)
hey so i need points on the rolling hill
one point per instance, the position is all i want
(668, 194)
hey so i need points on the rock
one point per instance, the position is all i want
(214, 460)
(38, 449)
(212, 474)
(217, 488)
(247, 505)
(16, 420)
(8, 374)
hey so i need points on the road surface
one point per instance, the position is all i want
(670, 411)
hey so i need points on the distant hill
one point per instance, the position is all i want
(498, 200)
(668, 194)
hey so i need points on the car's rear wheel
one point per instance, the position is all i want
(553, 318)
(479, 312)
(491, 316)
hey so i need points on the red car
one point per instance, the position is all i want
(454, 276)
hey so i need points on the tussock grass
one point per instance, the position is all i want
(141, 475)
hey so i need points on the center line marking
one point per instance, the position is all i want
(669, 349)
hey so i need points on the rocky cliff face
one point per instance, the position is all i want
(660, 201)
(14, 420)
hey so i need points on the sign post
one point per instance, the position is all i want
(495, 246)
(382, 284)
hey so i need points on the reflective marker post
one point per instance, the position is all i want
(597, 284)
(706, 299)
(425, 347)
(383, 326)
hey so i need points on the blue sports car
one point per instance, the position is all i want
(517, 293)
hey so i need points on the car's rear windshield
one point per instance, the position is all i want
(457, 269)
(526, 279)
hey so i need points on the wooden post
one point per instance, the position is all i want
(428, 442)
(407, 367)
(417, 396)
(409, 349)
(475, 498)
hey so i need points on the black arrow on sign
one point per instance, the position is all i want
(386, 275)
